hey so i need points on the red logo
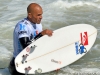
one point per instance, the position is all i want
(84, 38)
(37, 32)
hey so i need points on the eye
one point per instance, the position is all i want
(39, 15)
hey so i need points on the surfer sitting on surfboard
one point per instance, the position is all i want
(25, 30)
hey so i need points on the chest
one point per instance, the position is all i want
(34, 30)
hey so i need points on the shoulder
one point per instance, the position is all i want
(22, 24)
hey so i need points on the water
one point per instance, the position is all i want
(57, 14)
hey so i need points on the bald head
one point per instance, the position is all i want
(32, 7)
(34, 12)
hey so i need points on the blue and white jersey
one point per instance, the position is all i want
(24, 28)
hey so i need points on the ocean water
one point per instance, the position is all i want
(56, 14)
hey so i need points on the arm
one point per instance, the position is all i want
(38, 36)
(44, 32)
(24, 41)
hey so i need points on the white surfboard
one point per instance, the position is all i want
(67, 45)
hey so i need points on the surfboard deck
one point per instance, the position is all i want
(67, 45)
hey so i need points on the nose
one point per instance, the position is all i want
(41, 17)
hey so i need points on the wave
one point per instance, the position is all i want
(73, 3)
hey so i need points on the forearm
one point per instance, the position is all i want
(38, 36)
(25, 40)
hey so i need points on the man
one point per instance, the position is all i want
(26, 30)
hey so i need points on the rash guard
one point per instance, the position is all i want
(25, 31)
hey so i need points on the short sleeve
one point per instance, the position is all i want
(22, 31)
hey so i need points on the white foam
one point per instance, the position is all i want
(93, 71)
(83, 71)
(66, 12)
(66, 4)
(96, 47)
(4, 53)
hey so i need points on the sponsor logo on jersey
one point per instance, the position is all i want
(22, 29)
(22, 32)
(36, 33)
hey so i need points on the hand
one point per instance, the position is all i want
(47, 32)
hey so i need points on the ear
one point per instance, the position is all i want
(29, 15)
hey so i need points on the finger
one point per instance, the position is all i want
(50, 33)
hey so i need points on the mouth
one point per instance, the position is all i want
(39, 21)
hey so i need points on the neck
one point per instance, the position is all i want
(31, 20)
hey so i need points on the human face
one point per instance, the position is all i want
(36, 15)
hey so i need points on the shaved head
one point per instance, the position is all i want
(34, 12)
(32, 7)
